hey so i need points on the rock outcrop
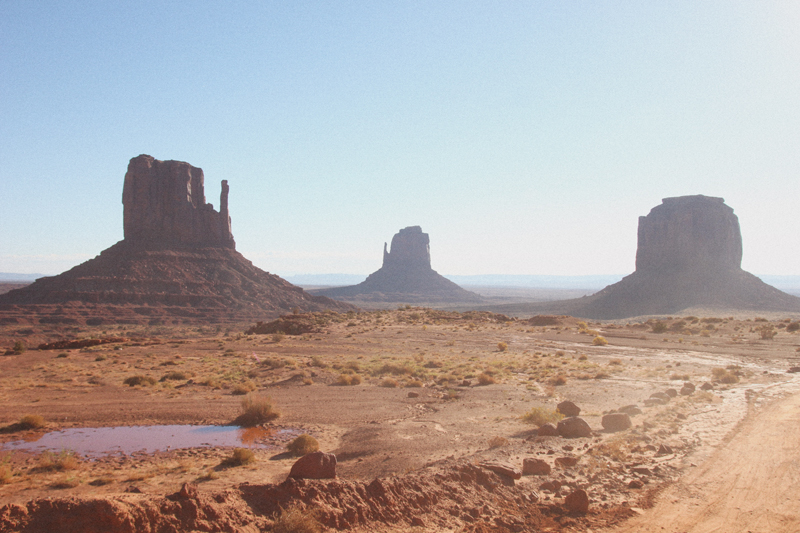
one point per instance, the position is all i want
(165, 204)
(688, 259)
(406, 276)
(689, 255)
(177, 264)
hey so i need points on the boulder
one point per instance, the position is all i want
(672, 393)
(573, 427)
(566, 461)
(630, 410)
(547, 430)
(577, 502)
(502, 469)
(707, 386)
(316, 465)
(616, 422)
(568, 408)
(535, 467)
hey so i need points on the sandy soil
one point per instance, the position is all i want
(420, 405)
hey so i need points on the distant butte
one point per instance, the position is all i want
(406, 276)
(176, 264)
(689, 255)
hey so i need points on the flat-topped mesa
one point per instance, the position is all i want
(165, 204)
(698, 234)
(410, 249)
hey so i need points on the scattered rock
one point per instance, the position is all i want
(316, 465)
(550, 486)
(641, 470)
(630, 410)
(413, 394)
(616, 422)
(568, 408)
(547, 430)
(577, 502)
(535, 467)
(573, 427)
(672, 393)
(707, 386)
(502, 469)
(635, 484)
(660, 396)
(794, 369)
(566, 462)
(664, 449)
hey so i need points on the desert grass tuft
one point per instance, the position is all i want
(538, 416)
(485, 379)
(297, 520)
(31, 422)
(303, 445)
(240, 457)
(139, 379)
(256, 409)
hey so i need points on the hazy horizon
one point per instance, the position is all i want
(525, 139)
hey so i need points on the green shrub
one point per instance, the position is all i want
(659, 327)
(539, 416)
(256, 410)
(302, 445)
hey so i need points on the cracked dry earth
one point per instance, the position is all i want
(439, 396)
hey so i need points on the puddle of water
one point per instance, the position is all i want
(97, 442)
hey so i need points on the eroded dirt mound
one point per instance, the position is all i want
(462, 496)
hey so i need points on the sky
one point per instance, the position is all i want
(523, 137)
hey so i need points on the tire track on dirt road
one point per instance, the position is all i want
(750, 484)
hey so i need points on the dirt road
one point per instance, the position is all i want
(751, 484)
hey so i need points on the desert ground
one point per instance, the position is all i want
(419, 399)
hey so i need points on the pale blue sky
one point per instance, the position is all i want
(524, 137)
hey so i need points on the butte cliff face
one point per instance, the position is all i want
(689, 255)
(176, 264)
(165, 205)
(406, 276)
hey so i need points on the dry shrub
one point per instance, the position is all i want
(174, 376)
(498, 442)
(308, 381)
(414, 383)
(599, 341)
(210, 382)
(243, 388)
(31, 422)
(389, 383)
(485, 379)
(348, 379)
(767, 332)
(5, 470)
(302, 445)
(297, 520)
(240, 457)
(395, 369)
(615, 362)
(65, 460)
(502, 346)
(725, 376)
(681, 377)
(582, 357)
(557, 381)
(256, 409)
(794, 326)
(66, 483)
(139, 379)
(538, 416)
(659, 327)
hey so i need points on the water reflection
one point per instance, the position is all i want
(96, 442)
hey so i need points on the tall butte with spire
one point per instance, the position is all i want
(689, 255)
(406, 276)
(177, 263)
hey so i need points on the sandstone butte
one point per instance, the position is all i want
(406, 276)
(689, 256)
(177, 263)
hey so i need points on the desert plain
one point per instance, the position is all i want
(429, 403)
